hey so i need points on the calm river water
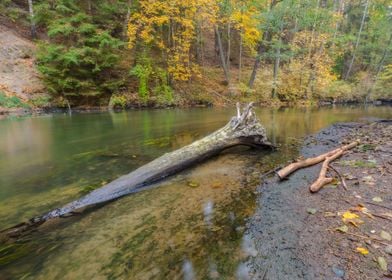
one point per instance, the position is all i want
(193, 226)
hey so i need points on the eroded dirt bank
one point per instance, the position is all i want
(19, 75)
(299, 235)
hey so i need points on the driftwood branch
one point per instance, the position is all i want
(243, 129)
(286, 171)
(323, 179)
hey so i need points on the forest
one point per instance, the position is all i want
(171, 53)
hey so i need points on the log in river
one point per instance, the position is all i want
(242, 129)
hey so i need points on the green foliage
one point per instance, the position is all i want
(384, 83)
(152, 79)
(40, 101)
(11, 102)
(117, 101)
(81, 57)
(162, 88)
(7, 7)
(142, 72)
(339, 90)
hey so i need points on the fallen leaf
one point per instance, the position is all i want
(342, 228)
(382, 263)
(368, 180)
(362, 250)
(377, 199)
(349, 216)
(311, 211)
(193, 184)
(385, 235)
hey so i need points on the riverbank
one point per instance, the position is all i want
(26, 111)
(333, 234)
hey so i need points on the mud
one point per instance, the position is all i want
(293, 242)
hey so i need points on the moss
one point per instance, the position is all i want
(359, 163)
(366, 147)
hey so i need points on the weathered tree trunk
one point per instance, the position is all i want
(244, 129)
(32, 20)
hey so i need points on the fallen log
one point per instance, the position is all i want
(243, 129)
(284, 172)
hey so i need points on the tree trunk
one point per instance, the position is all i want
(276, 71)
(89, 7)
(127, 17)
(267, 36)
(222, 55)
(357, 41)
(32, 20)
(228, 46)
(240, 58)
(243, 129)
(262, 49)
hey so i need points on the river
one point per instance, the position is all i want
(190, 226)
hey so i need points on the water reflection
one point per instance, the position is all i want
(157, 234)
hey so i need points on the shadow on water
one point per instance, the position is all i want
(194, 224)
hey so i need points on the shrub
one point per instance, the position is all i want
(11, 102)
(117, 101)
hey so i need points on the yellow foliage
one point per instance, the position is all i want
(247, 23)
(311, 67)
(179, 19)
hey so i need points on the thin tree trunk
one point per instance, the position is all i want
(240, 58)
(222, 55)
(89, 8)
(358, 39)
(228, 46)
(339, 8)
(256, 65)
(32, 19)
(127, 17)
(261, 49)
(276, 72)
(198, 43)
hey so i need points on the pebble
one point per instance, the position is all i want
(388, 249)
(338, 271)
